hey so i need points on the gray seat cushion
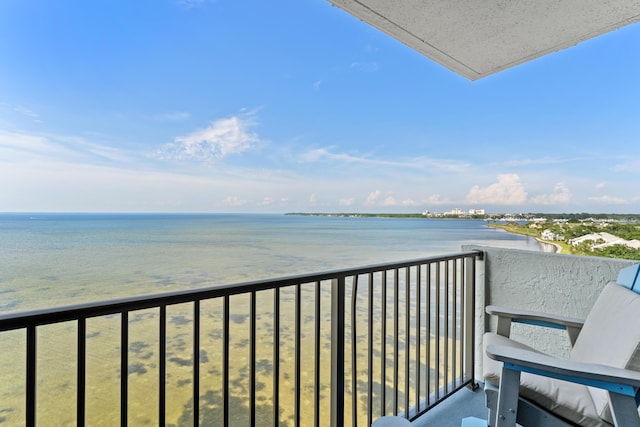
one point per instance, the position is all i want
(570, 401)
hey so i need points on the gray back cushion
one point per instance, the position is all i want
(610, 336)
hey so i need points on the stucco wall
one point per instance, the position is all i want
(542, 281)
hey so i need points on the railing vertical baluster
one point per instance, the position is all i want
(252, 358)
(407, 347)
(446, 326)
(370, 352)
(428, 328)
(225, 359)
(396, 332)
(276, 357)
(470, 306)
(437, 333)
(337, 350)
(31, 366)
(196, 363)
(464, 319)
(162, 366)
(454, 327)
(81, 372)
(317, 384)
(354, 353)
(472, 328)
(383, 382)
(124, 367)
(418, 334)
(298, 322)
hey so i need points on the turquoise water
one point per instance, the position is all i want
(59, 259)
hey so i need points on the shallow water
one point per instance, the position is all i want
(59, 259)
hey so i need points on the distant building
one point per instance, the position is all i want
(635, 244)
(603, 240)
(550, 235)
(597, 238)
(455, 211)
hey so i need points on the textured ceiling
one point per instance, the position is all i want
(476, 38)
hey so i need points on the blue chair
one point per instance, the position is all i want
(598, 386)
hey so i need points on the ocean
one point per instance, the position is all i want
(59, 259)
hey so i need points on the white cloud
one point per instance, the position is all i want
(46, 185)
(267, 201)
(223, 137)
(270, 201)
(437, 199)
(561, 194)
(409, 202)
(313, 199)
(389, 201)
(609, 200)
(234, 201)
(81, 145)
(21, 146)
(600, 185)
(375, 198)
(320, 154)
(26, 143)
(538, 162)
(172, 116)
(27, 112)
(421, 163)
(632, 166)
(347, 202)
(507, 191)
(372, 198)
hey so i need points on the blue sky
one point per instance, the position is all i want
(289, 105)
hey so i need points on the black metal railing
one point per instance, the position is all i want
(346, 347)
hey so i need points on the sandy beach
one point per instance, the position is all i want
(549, 246)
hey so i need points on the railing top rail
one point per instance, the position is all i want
(10, 321)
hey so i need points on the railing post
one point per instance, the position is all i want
(31, 376)
(337, 351)
(470, 319)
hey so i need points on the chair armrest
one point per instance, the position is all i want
(622, 385)
(535, 317)
(617, 380)
(506, 316)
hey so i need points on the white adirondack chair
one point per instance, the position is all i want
(599, 385)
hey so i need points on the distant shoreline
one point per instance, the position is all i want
(545, 244)
(380, 215)
(548, 246)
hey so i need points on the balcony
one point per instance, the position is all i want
(299, 351)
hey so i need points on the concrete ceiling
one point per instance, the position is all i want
(476, 38)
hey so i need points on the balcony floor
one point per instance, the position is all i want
(465, 403)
